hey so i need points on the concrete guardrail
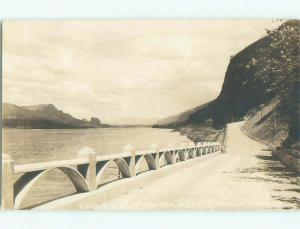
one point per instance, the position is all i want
(86, 171)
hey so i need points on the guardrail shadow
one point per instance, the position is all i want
(270, 170)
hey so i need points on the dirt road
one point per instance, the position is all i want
(244, 178)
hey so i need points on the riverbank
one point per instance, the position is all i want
(198, 133)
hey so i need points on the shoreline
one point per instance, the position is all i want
(194, 133)
(76, 128)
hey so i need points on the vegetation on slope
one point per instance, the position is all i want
(262, 84)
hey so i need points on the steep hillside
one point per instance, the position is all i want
(179, 118)
(41, 116)
(261, 84)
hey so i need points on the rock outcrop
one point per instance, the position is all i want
(261, 85)
(95, 122)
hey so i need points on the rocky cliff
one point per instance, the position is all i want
(42, 116)
(261, 85)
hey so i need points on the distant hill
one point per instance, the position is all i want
(42, 116)
(179, 118)
(262, 85)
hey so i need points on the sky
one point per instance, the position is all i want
(122, 71)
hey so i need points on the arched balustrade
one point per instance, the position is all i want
(86, 172)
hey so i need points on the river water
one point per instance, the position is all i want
(29, 146)
(35, 145)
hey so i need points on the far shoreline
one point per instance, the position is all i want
(82, 128)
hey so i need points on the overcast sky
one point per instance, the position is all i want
(121, 71)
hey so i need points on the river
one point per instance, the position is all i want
(38, 145)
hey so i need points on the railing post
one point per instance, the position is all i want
(185, 150)
(156, 158)
(173, 156)
(7, 182)
(130, 149)
(194, 150)
(199, 149)
(223, 142)
(90, 177)
(225, 139)
(205, 148)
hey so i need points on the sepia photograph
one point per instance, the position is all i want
(185, 114)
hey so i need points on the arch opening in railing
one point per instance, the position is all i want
(32, 188)
(111, 170)
(88, 172)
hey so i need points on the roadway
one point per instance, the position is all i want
(244, 178)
